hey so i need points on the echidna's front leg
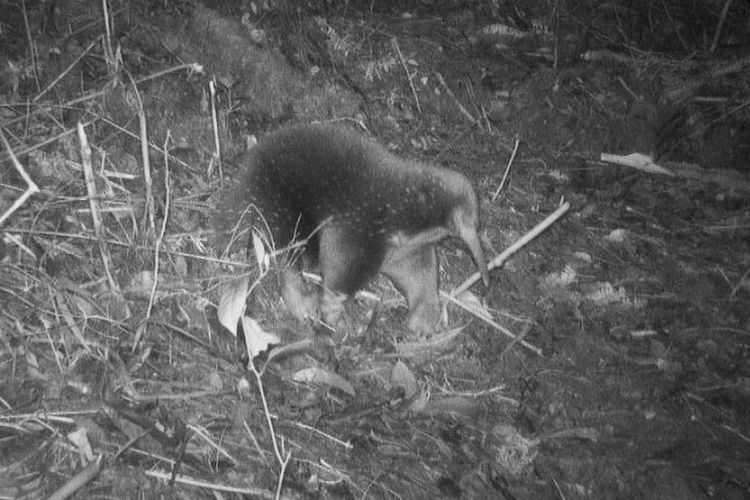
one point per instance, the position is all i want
(415, 276)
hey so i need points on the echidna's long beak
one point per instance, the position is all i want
(471, 238)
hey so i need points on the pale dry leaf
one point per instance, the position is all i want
(429, 347)
(243, 388)
(320, 376)
(419, 403)
(261, 255)
(215, 382)
(80, 439)
(257, 339)
(618, 236)
(232, 303)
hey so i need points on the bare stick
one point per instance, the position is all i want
(45, 142)
(526, 238)
(78, 481)
(720, 26)
(674, 25)
(461, 107)
(394, 42)
(507, 169)
(146, 162)
(191, 67)
(109, 55)
(345, 444)
(157, 245)
(280, 482)
(736, 288)
(32, 49)
(258, 449)
(31, 187)
(96, 217)
(497, 326)
(215, 123)
(181, 479)
(283, 461)
(66, 70)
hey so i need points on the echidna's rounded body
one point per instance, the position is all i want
(368, 211)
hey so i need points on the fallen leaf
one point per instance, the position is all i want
(232, 303)
(257, 340)
(437, 344)
(320, 376)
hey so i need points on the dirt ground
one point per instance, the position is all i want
(608, 359)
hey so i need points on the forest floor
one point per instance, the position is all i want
(608, 359)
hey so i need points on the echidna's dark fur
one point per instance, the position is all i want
(368, 210)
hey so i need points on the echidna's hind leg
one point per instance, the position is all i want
(415, 276)
(347, 261)
(301, 302)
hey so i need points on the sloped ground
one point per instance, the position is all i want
(117, 381)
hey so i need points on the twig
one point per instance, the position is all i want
(345, 444)
(157, 245)
(492, 323)
(129, 443)
(720, 26)
(737, 287)
(147, 180)
(202, 433)
(193, 67)
(736, 433)
(507, 169)
(624, 85)
(45, 142)
(88, 173)
(409, 76)
(109, 56)
(280, 482)
(256, 492)
(526, 238)
(674, 26)
(461, 107)
(283, 461)
(215, 124)
(31, 187)
(66, 70)
(32, 49)
(716, 120)
(84, 237)
(78, 481)
(255, 442)
(266, 411)
(556, 49)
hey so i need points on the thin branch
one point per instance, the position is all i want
(520, 243)
(720, 26)
(96, 218)
(409, 76)
(31, 187)
(507, 169)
